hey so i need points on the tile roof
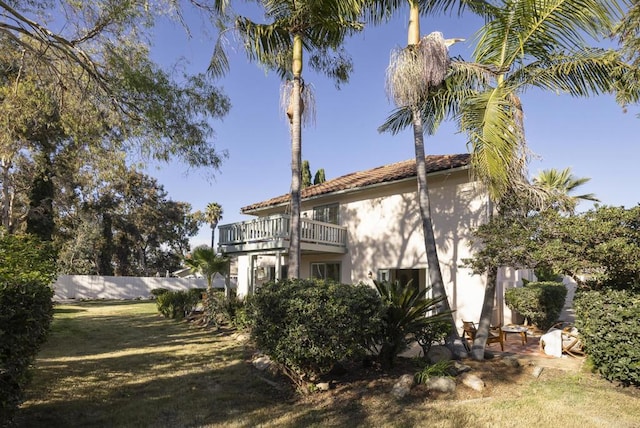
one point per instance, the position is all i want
(382, 174)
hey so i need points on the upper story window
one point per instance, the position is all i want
(327, 213)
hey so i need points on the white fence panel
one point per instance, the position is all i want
(123, 287)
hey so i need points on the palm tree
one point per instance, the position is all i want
(525, 43)
(317, 27)
(531, 44)
(562, 183)
(415, 73)
(205, 261)
(213, 215)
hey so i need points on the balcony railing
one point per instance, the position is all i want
(276, 228)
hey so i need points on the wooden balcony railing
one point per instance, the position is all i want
(276, 228)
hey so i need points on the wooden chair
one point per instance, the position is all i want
(495, 334)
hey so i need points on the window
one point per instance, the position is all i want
(326, 213)
(329, 271)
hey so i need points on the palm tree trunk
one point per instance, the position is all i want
(296, 162)
(435, 274)
(213, 235)
(477, 350)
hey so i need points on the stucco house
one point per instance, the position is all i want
(366, 225)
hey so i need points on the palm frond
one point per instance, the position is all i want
(492, 120)
(583, 73)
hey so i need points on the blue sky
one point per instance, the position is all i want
(592, 136)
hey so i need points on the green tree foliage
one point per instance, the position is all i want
(306, 174)
(406, 315)
(319, 177)
(27, 269)
(307, 326)
(539, 302)
(601, 245)
(126, 227)
(75, 96)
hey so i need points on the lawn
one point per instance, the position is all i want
(120, 364)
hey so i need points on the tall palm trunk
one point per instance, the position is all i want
(296, 161)
(433, 264)
(482, 334)
(213, 235)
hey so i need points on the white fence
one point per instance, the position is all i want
(123, 287)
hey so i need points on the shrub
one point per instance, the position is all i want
(439, 369)
(308, 326)
(608, 324)
(177, 304)
(539, 302)
(405, 319)
(27, 268)
(158, 292)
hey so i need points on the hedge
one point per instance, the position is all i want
(26, 311)
(609, 327)
(27, 269)
(308, 326)
(539, 302)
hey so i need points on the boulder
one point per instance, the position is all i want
(441, 384)
(262, 363)
(403, 386)
(439, 353)
(472, 381)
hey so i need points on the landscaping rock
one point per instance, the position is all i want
(511, 361)
(472, 381)
(323, 386)
(460, 368)
(537, 371)
(439, 353)
(441, 384)
(262, 363)
(403, 386)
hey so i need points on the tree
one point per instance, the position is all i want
(563, 183)
(89, 86)
(628, 33)
(306, 174)
(528, 45)
(317, 27)
(212, 215)
(205, 261)
(319, 177)
(414, 74)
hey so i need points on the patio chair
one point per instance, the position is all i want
(495, 334)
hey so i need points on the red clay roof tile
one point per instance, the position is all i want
(382, 174)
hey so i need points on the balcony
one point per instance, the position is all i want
(272, 234)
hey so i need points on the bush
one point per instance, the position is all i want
(158, 292)
(308, 326)
(539, 302)
(608, 324)
(178, 304)
(26, 311)
(27, 268)
(406, 318)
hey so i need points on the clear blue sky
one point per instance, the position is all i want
(592, 136)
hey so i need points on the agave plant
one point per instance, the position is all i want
(407, 312)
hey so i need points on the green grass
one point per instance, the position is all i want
(119, 364)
